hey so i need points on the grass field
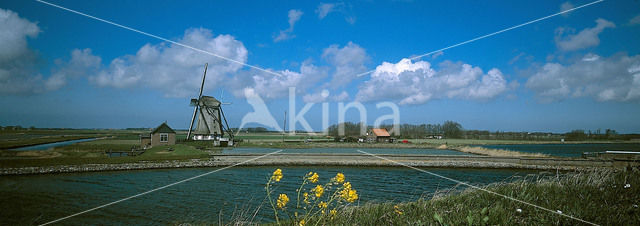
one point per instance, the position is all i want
(124, 140)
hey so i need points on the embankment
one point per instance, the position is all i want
(221, 160)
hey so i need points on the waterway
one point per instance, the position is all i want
(346, 151)
(567, 150)
(37, 199)
(52, 145)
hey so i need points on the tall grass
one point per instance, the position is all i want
(497, 152)
(605, 197)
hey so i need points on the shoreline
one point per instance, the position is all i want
(426, 145)
(63, 139)
(427, 161)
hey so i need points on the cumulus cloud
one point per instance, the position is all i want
(588, 37)
(616, 78)
(348, 62)
(417, 83)
(17, 61)
(270, 86)
(81, 64)
(294, 15)
(172, 69)
(566, 6)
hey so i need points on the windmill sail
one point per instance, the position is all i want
(209, 117)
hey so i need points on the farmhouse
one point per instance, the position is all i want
(160, 136)
(378, 135)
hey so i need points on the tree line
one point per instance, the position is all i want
(452, 129)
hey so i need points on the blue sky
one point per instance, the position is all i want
(575, 71)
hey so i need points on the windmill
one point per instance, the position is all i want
(210, 119)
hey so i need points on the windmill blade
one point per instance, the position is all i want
(195, 109)
(229, 130)
(203, 77)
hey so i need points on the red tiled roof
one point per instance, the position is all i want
(381, 132)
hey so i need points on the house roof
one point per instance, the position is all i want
(381, 132)
(163, 128)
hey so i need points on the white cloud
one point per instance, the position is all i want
(324, 9)
(590, 57)
(270, 86)
(348, 62)
(175, 70)
(324, 96)
(343, 96)
(15, 31)
(615, 78)
(436, 55)
(294, 15)
(584, 39)
(17, 61)
(417, 83)
(82, 63)
(316, 97)
(635, 20)
(566, 6)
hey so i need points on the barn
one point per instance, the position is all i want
(378, 135)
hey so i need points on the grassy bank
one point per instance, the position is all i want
(90, 153)
(17, 143)
(604, 197)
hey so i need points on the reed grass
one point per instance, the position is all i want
(603, 196)
(497, 152)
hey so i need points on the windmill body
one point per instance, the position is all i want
(212, 124)
(209, 126)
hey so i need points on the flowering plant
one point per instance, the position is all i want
(318, 203)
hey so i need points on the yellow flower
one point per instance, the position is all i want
(397, 210)
(306, 197)
(347, 185)
(353, 196)
(313, 177)
(339, 178)
(348, 194)
(333, 212)
(322, 205)
(277, 175)
(283, 199)
(319, 190)
(301, 223)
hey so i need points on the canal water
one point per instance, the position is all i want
(37, 199)
(346, 151)
(51, 145)
(566, 150)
